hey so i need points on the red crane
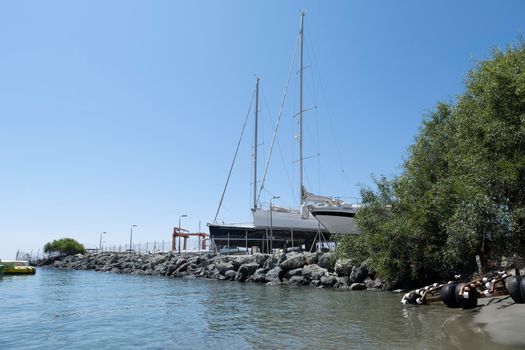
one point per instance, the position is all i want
(181, 232)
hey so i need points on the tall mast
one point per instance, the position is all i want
(255, 145)
(301, 194)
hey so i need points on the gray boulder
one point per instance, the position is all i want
(341, 282)
(170, 268)
(314, 272)
(297, 281)
(316, 283)
(295, 272)
(159, 259)
(323, 261)
(374, 283)
(194, 260)
(343, 267)
(179, 262)
(113, 258)
(271, 262)
(223, 267)
(328, 281)
(246, 270)
(259, 276)
(160, 268)
(238, 261)
(274, 275)
(182, 268)
(261, 258)
(293, 261)
(230, 275)
(358, 274)
(213, 274)
(311, 258)
(357, 286)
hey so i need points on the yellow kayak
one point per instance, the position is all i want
(17, 267)
(19, 270)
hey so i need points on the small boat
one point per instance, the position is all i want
(17, 267)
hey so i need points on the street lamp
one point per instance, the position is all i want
(100, 244)
(131, 238)
(271, 222)
(180, 217)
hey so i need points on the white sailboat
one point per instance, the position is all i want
(275, 226)
(290, 217)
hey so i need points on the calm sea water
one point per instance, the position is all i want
(57, 309)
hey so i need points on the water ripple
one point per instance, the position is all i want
(92, 310)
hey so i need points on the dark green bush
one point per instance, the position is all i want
(462, 189)
(64, 246)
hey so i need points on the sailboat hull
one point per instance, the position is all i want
(285, 218)
(337, 220)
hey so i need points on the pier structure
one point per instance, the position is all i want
(264, 239)
(179, 233)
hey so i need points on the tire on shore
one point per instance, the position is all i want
(412, 298)
(468, 301)
(522, 288)
(448, 294)
(513, 285)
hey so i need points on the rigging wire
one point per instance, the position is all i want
(309, 132)
(278, 120)
(330, 121)
(316, 111)
(234, 157)
(280, 153)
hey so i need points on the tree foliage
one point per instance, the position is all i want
(462, 188)
(64, 246)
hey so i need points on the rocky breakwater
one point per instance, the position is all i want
(296, 269)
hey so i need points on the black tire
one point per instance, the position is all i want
(466, 303)
(512, 284)
(522, 288)
(448, 294)
(412, 297)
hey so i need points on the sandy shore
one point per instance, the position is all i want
(497, 323)
(502, 319)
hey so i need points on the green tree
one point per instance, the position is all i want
(462, 188)
(64, 246)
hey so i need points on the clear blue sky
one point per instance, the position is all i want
(128, 112)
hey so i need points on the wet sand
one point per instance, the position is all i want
(497, 323)
(502, 319)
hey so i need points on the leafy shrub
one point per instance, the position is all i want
(461, 192)
(64, 246)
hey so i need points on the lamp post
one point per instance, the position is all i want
(271, 222)
(100, 243)
(180, 217)
(131, 238)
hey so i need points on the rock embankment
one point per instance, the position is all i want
(297, 269)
